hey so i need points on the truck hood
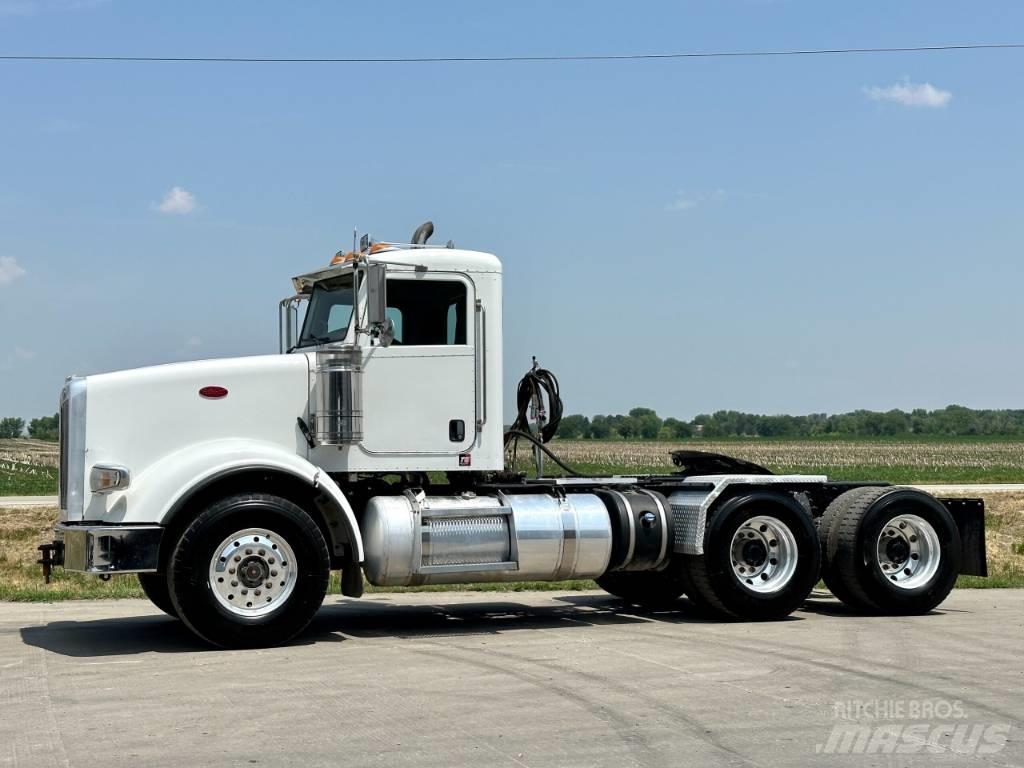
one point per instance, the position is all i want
(134, 418)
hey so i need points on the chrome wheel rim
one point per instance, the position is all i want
(908, 551)
(764, 554)
(253, 573)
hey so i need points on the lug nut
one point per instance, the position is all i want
(238, 559)
(262, 552)
(273, 573)
(245, 591)
(248, 551)
(271, 561)
(231, 570)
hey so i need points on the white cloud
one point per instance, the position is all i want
(686, 201)
(189, 347)
(682, 203)
(10, 270)
(177, 200)
(910, 94)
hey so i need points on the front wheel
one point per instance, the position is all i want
(761, 558)
(155, 587)
(250, 571)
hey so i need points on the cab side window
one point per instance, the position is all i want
(428, 312)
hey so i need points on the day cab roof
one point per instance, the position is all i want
(403, 258)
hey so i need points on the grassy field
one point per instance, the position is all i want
(28, 467)
(21, 530)
(895, 461)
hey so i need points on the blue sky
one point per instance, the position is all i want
(772, 235)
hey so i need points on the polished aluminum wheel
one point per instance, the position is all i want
(764, 554)
(908, 551)
(253, 572)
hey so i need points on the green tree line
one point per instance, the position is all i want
(645, 424)
(43, 428)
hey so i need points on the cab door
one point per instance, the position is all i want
(419, 393)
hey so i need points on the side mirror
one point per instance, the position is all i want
(376, 295)
(381, 328)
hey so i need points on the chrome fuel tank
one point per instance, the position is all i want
(412, 539)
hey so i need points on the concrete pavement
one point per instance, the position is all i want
(517, 679)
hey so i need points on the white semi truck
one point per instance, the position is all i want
(374, 445)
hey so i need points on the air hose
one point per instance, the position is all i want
(534, 388)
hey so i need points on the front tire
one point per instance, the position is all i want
(156, 589)
(761, 558)
(250, 571)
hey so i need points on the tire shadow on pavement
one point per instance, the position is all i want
(340, 619)
(119, 636)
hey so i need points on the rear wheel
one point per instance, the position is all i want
(653, 589)
(250, 571)
(894, 550)
(761, 558)
(155, 587)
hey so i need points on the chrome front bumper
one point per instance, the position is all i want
(108, 548)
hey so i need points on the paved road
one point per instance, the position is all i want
(516, 679)
(51, 501)
(28, 501)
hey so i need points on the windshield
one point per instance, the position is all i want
(329, 312)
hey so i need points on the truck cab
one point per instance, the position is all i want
(416, 387)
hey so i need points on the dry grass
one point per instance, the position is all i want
(22, 530)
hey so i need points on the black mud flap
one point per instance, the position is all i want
(969, 516)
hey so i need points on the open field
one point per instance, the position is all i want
(22, 529)
(895, 461)
(29, 467)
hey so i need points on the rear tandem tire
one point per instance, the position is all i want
(893, 551)
(781, 535)
(156, 589)
(250, 571)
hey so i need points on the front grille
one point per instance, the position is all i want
(62, 475)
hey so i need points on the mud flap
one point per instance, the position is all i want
(969, 516)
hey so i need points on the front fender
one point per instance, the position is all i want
(157, 490)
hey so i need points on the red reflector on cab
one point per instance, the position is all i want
(213, 393)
